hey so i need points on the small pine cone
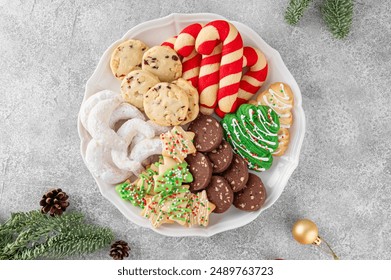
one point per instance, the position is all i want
(119, 250)
(54, 202)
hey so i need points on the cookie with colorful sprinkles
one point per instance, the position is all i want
(177, 143)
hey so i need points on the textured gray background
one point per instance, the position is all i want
(48, 50)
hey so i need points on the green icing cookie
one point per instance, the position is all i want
(252, 132)
(135, 192)
(173, 178)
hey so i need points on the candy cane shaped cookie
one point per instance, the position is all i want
(231, 60)
(208, 80)
(254, 78)
(169, 42)
(184, 46)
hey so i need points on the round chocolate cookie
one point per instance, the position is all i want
(221, 157)
(237, 173)
(208, 133)
(201, 169)
(220, 194)
(253, 196)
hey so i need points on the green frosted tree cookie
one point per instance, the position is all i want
(173, 178)
(252, 133)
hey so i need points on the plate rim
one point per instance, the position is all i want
(299, 114)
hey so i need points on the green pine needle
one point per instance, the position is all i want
(338, 16)
(295, 10)
(33, 235)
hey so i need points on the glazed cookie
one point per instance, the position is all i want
(283, 142)
(166, 104)
(201, 169)
(127, 57)
(135, 85)
(221, 157)
(192, 93)
(237, 173)
(279, 97)
(208, 133)
(163, 62)
(252, 197)
(177, 143)
(220, 194)
(252, 133)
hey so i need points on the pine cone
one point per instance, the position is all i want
(119, 250)
(54, 202)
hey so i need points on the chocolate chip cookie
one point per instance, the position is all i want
(127, 57)
(163, 62)
(166, 104)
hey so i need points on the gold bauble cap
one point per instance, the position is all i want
(305, 232)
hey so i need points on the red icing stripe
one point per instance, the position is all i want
(231, 68)
(211, 59)
(246, 86)
(192, 29)
(191, 63)
(235, 45)
(222, 27)
(207, 80)
(251, 56)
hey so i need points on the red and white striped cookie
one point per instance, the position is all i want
(169, 42)
(208, 80)
(254, 78)
(231, 60)
(184, 46)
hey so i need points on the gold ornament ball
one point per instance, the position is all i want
(305, 232)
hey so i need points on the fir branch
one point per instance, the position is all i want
(32, 235)
(295, 10)
(82, 240)
(338, 16)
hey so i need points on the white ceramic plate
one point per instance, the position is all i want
(153, 33)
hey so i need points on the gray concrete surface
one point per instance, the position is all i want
(48, 50)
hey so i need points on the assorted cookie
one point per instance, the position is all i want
(163, 62)
(252, 197)
(201, 168)
(127, 57)
(279, 97)
(221, 157)
(252, 133)
(237, 173)
(204, 163)
(220, 194)
(135, 85)
(166, 104)
(208, 133)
